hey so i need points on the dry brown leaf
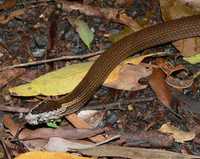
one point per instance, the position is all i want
(179, 135)
(135, 153)
(57, 144)
(157, 83)
(49, 155)
(126, 77)
(8, 75)
(188, 47)
(174, 9)
(8, 4)
(92, 117)
(151, 139)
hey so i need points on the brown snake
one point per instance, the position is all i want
(130, 45)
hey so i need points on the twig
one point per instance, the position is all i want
(118, 104)
(14, 109)
(52, 60)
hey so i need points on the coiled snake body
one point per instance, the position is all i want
(130, 45)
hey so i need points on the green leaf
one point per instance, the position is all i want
(84, 31)
(54, 123)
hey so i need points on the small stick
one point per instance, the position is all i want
(118, 104)
(14, 109)
(52, 60)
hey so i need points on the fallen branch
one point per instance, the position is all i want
(51, 60)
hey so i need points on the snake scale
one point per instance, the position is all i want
(130, 45)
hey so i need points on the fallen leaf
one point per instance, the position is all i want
(196, 74)
(92, 117)
(58, 82)
(48, 155)
(126, 77)
(193, 59)
(35, 145)
(188, 47)
(151, 139)
(84, 31)
(64, 80)
(9, 75)
(174, 9)
(56, 144)
(157, 83)
(79, 123)
(179, 135)
(134, 153)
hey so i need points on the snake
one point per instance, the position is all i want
(130, 45)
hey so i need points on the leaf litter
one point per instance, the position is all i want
(141, 120)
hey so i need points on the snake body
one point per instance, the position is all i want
(130, 45)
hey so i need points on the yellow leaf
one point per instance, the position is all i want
(193, 59)
(58, 82)
(64, 80)
(48, 155)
